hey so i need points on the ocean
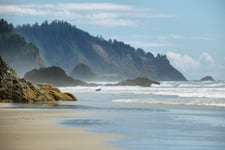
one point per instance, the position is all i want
(173, 115)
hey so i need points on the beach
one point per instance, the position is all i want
(25, 129)
(171, 116)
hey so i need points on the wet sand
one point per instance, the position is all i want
(26, 129)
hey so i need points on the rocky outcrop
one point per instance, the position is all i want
(55, 93)
(82, 72)
(141, 81)
(207, 78)
(17, 90)
(54, 76)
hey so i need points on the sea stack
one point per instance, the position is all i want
(207, 78)
(82, 72)
(55, 76)
(140, 81)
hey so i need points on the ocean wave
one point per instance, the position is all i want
(191, 92)
(194, 102)
(191, 84)
(172, 88)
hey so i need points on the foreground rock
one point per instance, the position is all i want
(16, 90)
(207, 78)
(141, 81)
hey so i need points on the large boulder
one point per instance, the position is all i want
(207, 78)
(17, 90)
(55, 92)
(141, 81)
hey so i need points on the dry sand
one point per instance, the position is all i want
(26, 129)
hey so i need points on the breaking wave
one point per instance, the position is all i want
(189, 102)
(174, 93)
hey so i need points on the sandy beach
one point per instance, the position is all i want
(26, 129)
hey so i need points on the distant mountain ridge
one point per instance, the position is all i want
(64, 45)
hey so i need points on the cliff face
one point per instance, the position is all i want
(19, 54)
(17, 90)
(64, 45)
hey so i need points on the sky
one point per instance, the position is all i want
(190, 32)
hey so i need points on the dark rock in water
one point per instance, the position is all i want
(207, 78)
(97, 90)
(54, 76)
(82, 72)
(17, 90)
(141, 81)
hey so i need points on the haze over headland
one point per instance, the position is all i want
(190, 33)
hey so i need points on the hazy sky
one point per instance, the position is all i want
(190, 32)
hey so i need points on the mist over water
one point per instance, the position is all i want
(173, 115)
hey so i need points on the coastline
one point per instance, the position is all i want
(25, 129)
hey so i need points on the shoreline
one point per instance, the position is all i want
(25, 129)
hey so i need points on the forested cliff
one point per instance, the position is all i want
(64, 45)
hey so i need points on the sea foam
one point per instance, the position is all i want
(185, 93)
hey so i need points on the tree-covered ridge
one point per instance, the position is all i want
(5, 27)
(19, 54)
(64, 45)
